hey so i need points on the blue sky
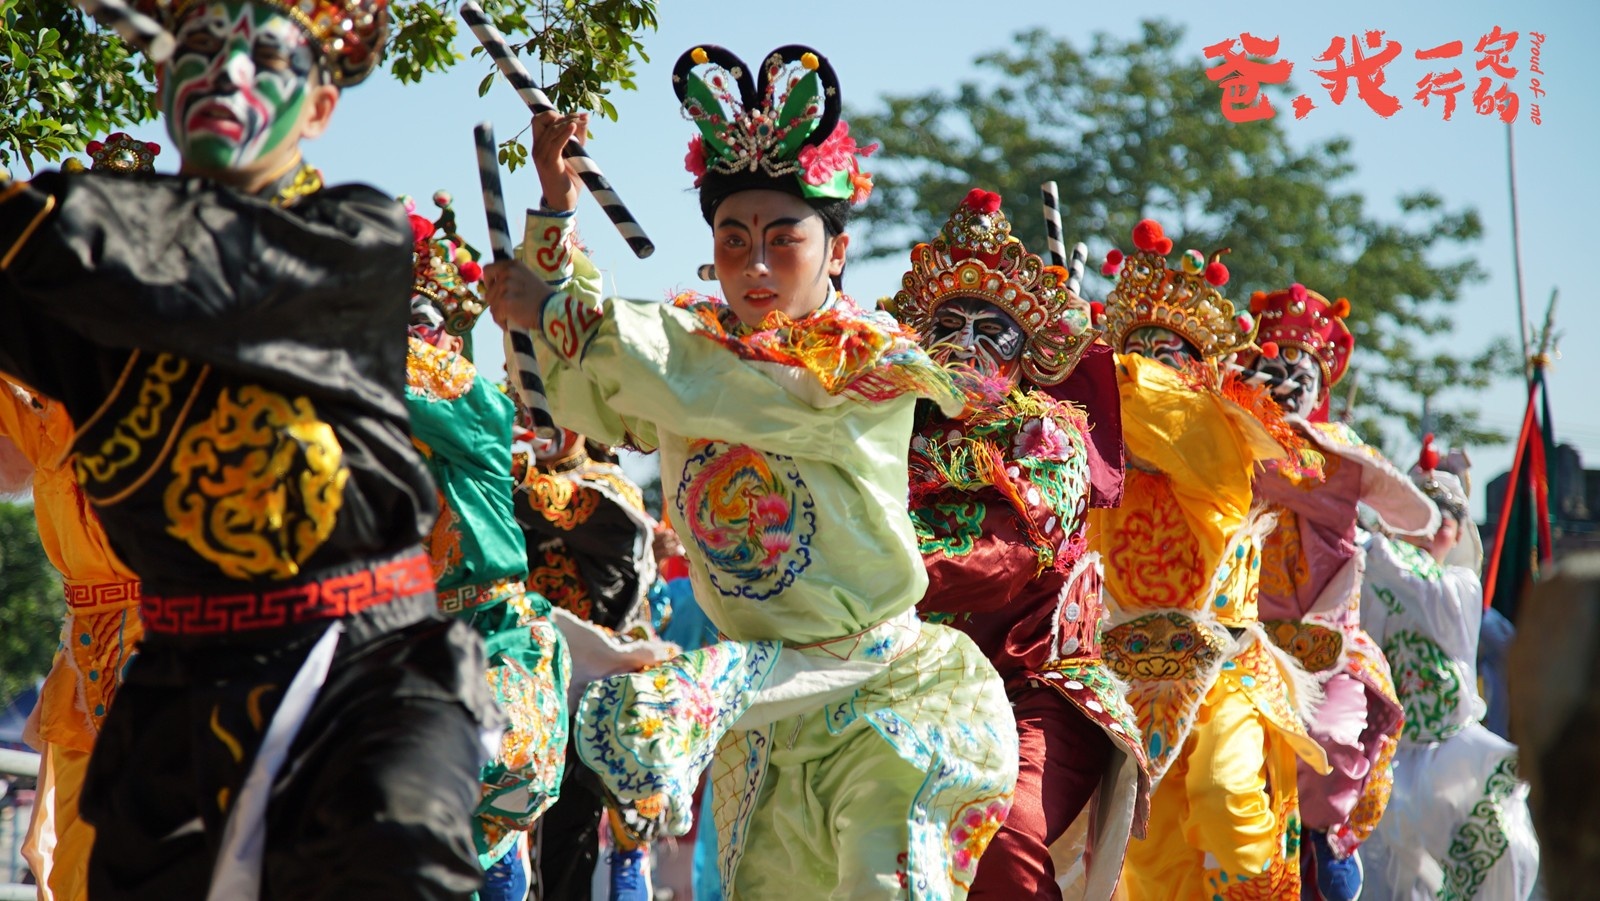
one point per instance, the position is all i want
(417, 138)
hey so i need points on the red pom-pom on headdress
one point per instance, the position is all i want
(982, 201)
(421, 228)
(1297, 292)
(1097, 311)
(1340, 308)
(1217, 274)
(1113, 257)
(1428, 460)
(1147, 236)
(470, 271)
(1269, 350)
(1258, 302)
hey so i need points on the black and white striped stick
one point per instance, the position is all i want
(500, 51)
(138, 29)
(1052, 223)
(1080, 255)
(520, 357)
(707, 272)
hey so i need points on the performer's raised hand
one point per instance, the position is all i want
(551, 132)
(514, 294)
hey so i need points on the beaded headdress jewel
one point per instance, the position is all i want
(975, 256)
(1186, 301)
(785, 124)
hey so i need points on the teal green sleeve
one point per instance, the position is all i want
(472, 431)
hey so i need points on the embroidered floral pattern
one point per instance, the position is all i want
(863, 355)
(949, 529)
(1389, 601)
(1153, 560)
(1374, 800)
(1261, 677)
(1089, 685)
(1417, 561)
(436, 374)
(971, 830)
(525, 778)
(651, 733)
(1236, 590)
(1047, 492)
(1429, 684)
(1481, 840)
(751, 516)
(1284, 567)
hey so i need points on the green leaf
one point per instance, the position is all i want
(806, 91)
(699, 91)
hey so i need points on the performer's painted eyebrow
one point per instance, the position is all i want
(782, 223)
(732, 222)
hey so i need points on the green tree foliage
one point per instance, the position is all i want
(30, 603)
(1132, 129)
(65, 81)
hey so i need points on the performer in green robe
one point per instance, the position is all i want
(858, 752)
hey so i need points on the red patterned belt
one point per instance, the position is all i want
(82, 595)
(288, 605)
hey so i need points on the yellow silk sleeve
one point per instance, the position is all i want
(1206, 445)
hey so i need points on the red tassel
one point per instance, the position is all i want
(1429, 458)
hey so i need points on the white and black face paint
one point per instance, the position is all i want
(1301, 371)
(1159, 344)
(979, 334)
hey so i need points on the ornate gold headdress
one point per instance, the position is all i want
(446, 267)
(350, 34)
(1185, 301)
(976, 256)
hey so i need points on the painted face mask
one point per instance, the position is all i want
(234, 88)
(1302, 371)
(980, 334)
(1161, 345)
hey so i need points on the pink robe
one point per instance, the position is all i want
(1310, 604)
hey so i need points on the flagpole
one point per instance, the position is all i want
(1516, 258)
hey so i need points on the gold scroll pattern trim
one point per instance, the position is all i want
(558, 499)
(142, 422)
(257, 485)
